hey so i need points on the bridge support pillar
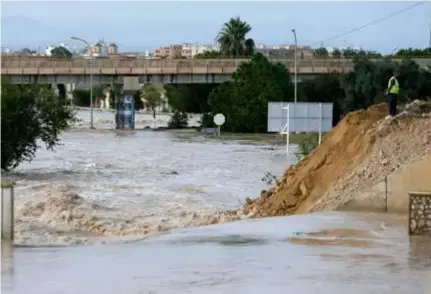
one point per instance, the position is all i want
(124, 103)
(69, 93)
(117, 90)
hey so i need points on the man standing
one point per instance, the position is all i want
(392, 93)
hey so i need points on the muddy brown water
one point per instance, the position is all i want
(162, 177)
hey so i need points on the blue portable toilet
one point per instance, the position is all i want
(125, 113)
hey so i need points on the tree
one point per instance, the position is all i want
(29, 113)
(244, 99)
(232, 38)
(61, 51)
(209, 55)
(413, 53)
(324, 88)
(152, 98)
(189, 98)
(139, 104)
(81, 97)
(321, 52)
(349, 53)
(366, 84)
(336, 53)
(178, 120)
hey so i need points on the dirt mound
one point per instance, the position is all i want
(400, 142)
(345, 147)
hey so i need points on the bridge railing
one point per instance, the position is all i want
(318, 65)
(49, 62)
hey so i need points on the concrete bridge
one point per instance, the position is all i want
(48, 70)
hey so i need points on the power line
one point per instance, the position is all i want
(372, 22)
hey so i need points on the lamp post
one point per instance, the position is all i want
(394, 51)
(91, 78)
(296, 66)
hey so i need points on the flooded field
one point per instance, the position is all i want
(135, 199)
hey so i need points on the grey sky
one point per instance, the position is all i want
(141, 25)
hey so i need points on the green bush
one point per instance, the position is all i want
(29, 113)
(178, 120)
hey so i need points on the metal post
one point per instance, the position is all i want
(320, 122)
(296, 66)
(91, 89)
(288, 130)
(7, 211)
(91, 78)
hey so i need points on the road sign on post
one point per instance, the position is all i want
(219, 120)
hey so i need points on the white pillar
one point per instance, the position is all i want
(69, 92)
(7, 211)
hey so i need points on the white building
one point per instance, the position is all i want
(191, 50)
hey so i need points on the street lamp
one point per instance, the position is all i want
(296, 66)
(91, 78)
(394, 50)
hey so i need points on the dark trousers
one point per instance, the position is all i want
(392, 101)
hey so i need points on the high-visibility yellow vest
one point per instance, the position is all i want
(395, 88)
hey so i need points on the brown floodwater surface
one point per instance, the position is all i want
(129, 204)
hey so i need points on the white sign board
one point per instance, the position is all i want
(219, 119)
(303, 116)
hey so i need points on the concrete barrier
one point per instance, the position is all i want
(210, 131)
(7, 211)
(419, 213)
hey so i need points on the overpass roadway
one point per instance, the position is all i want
(48, 70)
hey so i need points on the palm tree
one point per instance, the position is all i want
(232, 38)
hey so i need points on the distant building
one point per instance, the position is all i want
(191, 50)
(185, 50)
(171, 52)
(112, 49)
(287, 51)
(96, 49)
(259, 46)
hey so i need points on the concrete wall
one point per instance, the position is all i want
(391, 194)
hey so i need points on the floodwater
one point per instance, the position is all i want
(251, 256)
(117, 213)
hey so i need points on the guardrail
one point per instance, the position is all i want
(419, 213)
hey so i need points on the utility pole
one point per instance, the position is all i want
(296, 67)
(91, 78)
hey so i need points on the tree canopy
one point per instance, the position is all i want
(29, 113)
(152, 97)
(61, 51)
(244, 99)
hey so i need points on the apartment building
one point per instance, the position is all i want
(286, 51)
(171, 51)
(186, 50)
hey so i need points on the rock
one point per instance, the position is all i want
(413, 225)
